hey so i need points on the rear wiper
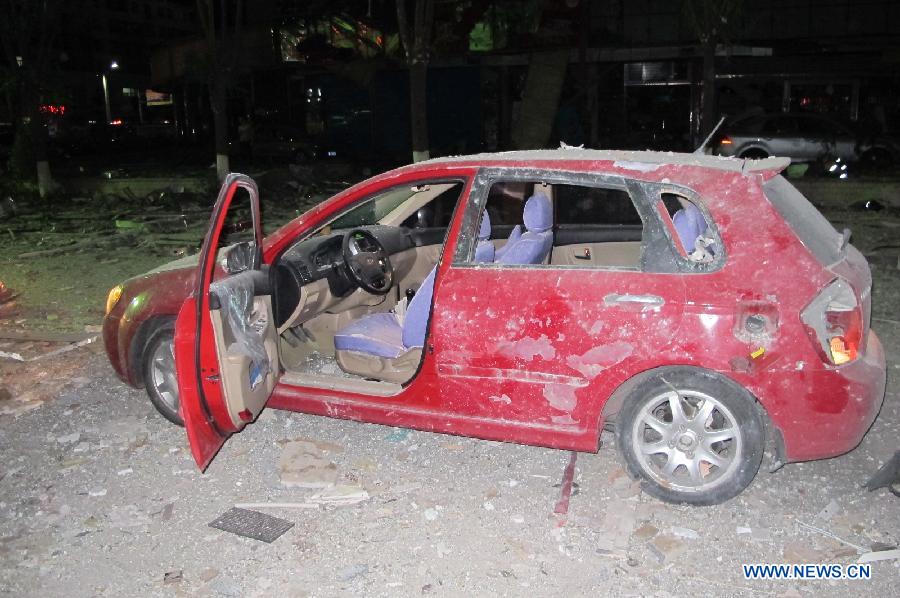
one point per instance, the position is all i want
(709, 137)
(845, 238)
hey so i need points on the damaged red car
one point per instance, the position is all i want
(700, 305)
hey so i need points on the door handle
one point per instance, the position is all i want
(586, 255)
(647, 301)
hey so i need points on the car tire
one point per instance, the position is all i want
(754, 154)
(158, 365)
(704, 454)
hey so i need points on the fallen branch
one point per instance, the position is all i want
(66, 349)
(63, 249)
(276, 505)
(48, 337)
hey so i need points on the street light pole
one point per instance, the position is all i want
(114, 65)
(106, 97)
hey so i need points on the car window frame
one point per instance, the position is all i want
(659, 254)
(485, 178)
(314, 228)
(685, 265)
(372, 195)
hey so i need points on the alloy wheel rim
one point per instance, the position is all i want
(687, 441)
(162, 371)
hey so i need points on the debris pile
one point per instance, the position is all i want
(37, 366)
(170, 221)
(165, 222)
(304, 463)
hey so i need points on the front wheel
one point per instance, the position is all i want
(159, 372)
(691, 436)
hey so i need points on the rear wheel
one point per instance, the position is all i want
(691, 436)
(159, 372)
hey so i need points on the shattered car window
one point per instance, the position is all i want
(693, 236)
(813, 230)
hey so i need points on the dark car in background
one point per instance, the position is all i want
(803, 138)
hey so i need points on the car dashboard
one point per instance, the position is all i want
(311, 275)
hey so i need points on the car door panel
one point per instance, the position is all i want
(570, 234)
(246, 342)
(622, 254)
(225, 351)
(541, 347)
(204, 419)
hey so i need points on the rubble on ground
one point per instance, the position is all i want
(170, 221)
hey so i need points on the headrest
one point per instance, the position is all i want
(538, 214)
(484, 232)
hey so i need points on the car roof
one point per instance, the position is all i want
(632, 160)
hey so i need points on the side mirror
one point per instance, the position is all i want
(240, 257)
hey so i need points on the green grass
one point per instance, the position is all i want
(66, 292)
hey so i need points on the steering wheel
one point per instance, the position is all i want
(368, 262)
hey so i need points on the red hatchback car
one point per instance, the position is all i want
(700, 304)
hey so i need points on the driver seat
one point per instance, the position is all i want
(380, 346)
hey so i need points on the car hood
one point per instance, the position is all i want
(188, 261)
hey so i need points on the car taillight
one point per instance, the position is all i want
(725, 141)
(834, 322)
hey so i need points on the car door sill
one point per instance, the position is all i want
(371, 387)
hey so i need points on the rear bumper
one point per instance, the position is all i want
(834, 408)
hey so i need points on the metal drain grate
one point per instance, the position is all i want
(252, 524)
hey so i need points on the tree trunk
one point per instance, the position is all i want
(418, 100)
(708, 100)
(540, 99)
(219, 103)
(38, 135)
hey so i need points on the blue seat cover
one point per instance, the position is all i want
(415, 323)
(484, 250)
(382, 335)
(535, 244)
(689, 224)
(376, 334)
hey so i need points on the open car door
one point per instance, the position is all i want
(226, 354)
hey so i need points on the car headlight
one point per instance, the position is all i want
(115, 294)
